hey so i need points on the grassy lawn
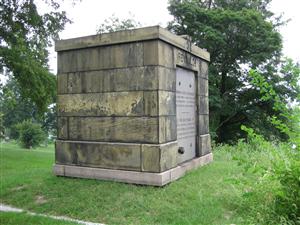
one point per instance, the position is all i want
(203, 196)
(11, 218)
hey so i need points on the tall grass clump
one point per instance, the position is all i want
(273, 195)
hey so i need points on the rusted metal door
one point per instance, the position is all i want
(186, 114)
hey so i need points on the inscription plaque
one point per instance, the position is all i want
(186, 113)
(186, 59)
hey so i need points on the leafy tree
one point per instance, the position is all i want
(287, 118)
(113, 23)
(31, 134)
(49, 120)
(16, 108)
(25, 35)
(239, 35)
(2, 128)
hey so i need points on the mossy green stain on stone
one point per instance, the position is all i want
(103, 155)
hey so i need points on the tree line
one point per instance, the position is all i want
(240, 35)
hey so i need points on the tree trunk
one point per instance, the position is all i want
(209, 4)
(221, 130)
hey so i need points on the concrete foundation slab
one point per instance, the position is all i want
(155, 179)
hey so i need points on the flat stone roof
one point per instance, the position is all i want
(134, 35)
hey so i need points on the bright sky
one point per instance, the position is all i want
(291, 31)
(87, 15)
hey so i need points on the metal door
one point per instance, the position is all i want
(186, 114)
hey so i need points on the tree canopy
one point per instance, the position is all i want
(113, 24)
(14, 109)
(239, 35)
(25, 35)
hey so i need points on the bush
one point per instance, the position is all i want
(30, 134)
(13, 132)
(273, 196)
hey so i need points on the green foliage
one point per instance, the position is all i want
(49, 120)
(31, 134)
(286, 119)
(285, 161)
(113, 23)
(279, 174)
(2, 128)
(276, 183)
(25, 35)
(15, 108)
(239, 35)
(13, 218)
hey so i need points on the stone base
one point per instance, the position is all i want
(145, 178)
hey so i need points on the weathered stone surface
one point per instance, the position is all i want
(59, 170)
(158, 53)
(104, 57)
(202, 86)
(60, 64)
(75, 82)
(134, 103)
(122, 129)
(62, 152)
(118, 37)
(141, 34)
(62, 127)
(115, 80)
(125, 79)
(183, 44)
(150, 158)
(166, 55)
(167, 129)
(204, 69)
(167, 79)
(203, 125)
(117, 105)
(204, 144)
(62, 83)
(97, 154)
(203, 105)
(168, 158)
(151, 53)
(136, 177)
(186, 60)
(167, 103)
(150, 103)
(159, 158)
(103, 104)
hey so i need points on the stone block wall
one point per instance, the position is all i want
(116, 100)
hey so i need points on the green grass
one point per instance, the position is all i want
(207, 195)
(12, 218)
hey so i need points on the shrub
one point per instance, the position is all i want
(30, 134)
(13, 132)
(273, 196)
(278, 183)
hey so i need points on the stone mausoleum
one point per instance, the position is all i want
(132, 107)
